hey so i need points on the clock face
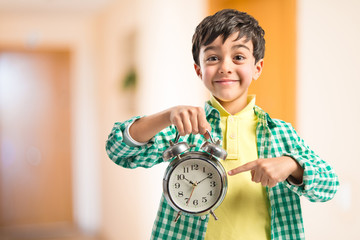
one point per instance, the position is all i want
(195, 185)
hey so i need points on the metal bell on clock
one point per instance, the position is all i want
(214, 148)
(175, 149)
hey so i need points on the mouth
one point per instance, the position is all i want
(226, 81)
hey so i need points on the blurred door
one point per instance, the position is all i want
(35, 148)
(276, 88)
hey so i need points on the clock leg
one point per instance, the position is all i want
(213, 214)
(177, 216)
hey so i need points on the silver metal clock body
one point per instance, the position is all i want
(195, 183)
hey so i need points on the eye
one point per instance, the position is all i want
(239, 58)
(212, 59)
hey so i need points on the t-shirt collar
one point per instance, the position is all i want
(223, 113)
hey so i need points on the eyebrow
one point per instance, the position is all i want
(208, 48)
(240, 46)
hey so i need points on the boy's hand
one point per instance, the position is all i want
(270, 171)
(189, 119)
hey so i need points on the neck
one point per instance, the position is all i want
(235, 106)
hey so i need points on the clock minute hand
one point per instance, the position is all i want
(203, 180)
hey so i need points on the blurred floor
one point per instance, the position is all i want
(61, 231)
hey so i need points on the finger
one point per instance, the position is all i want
(272, 183)
(179, 125)
(203, 123)
(252, 175)
(257, 176)
(185, 118)
(243, 168)
(207, 135)
(194, 122)
(264, 181)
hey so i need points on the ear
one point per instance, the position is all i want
(198, 70)
(258, 69)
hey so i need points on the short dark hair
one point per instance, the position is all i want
(224, 23)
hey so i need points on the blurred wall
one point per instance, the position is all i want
(74, 32)
(154, 38)
(328, 108)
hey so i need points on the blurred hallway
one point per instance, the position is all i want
(105, 42)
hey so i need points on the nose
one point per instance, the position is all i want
(225, 66)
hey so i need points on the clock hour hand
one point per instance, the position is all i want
(191, 182)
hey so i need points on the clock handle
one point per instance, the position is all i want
(177, 137)
(212, 140)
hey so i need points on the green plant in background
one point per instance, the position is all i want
(130, 80)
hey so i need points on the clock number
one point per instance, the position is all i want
(204, 200)
(210, 193)
(180, 194)
(212, 184)
(203, 169)
(177, 185)
(180, 177)
(210, 175)
(194, 167)
(195, 202)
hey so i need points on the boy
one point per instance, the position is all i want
(268, 165)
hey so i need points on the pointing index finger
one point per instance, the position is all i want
(243, 168)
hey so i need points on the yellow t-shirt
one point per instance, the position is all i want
(244, 213)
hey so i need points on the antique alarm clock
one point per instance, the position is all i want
(195, 182)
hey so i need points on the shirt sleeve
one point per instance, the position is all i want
(132, 155)
(320, 182)
(129, 140)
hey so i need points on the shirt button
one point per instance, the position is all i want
(203, 217)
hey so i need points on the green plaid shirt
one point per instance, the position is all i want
(274, 138)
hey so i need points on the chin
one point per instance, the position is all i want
(225, 100)
(228, 98)
(225, 97)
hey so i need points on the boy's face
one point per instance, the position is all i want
(227, 69)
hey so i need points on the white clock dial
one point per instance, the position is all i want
(195, 185)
